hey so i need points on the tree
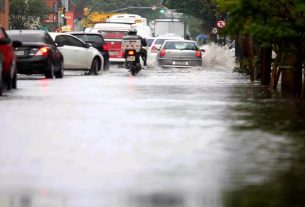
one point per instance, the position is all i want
(26, 14)
(274, 23)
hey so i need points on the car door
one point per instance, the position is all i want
(81, 53)
(56, 54)
(73, 50)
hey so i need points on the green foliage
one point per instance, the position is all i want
(268, 21)
(26, 14)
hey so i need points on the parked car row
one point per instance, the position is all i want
(40, 52)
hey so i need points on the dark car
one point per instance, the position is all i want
(38, 54)
(97, 41)
(8, 72)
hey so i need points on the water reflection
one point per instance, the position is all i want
(269, 155)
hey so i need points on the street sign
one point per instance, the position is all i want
(214, 30)
(221, 24)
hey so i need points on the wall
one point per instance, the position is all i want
(4, 13)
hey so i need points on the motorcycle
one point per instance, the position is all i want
(132, 62)
(131, 45)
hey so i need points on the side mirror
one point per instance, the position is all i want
(17, 44)
(59, 44)
(88, 45)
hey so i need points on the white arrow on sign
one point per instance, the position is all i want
(221, 24)
(214, 30)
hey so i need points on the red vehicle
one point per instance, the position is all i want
(113, 34)
(8, 71)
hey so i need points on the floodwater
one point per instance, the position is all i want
(166, 138)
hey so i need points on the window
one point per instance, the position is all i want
(72, 41)
(49, 39)
(61, 40)
(2, 6)
(2, 34)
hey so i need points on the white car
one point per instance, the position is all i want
(77, 54)
(155, 45)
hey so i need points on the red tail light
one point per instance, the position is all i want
(162, 53)
(105, 47)
(42, 51)
(131, 53)
(198, 53)
(154, 49)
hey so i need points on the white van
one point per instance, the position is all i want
(113, 34)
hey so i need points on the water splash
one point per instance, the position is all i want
(217, 56)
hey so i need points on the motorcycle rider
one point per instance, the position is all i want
(143, 52)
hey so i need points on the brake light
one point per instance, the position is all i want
(162, 53)
(105, 47)
(154, 49)
(198, 53)
(43, 51)
(131, 53)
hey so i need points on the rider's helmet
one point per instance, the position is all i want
(132, 31)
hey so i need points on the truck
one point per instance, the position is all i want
(166, 26)
(96, 17)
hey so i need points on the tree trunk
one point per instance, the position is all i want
(303, 87)
(249, 48)
(265, 65)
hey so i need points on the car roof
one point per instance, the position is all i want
(26, 31)
(180, 41)
(55, 34)
(169, 37)
(85, 33)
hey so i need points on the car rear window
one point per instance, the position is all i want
(180, 46)
(160, 41)
(149, 42)
(27, 37)
(114, 34)
(90, 38)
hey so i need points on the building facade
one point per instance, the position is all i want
(4, 9)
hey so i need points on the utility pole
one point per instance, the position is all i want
(65, 4)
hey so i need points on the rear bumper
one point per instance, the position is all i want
(176, 63)
(117, 60)
(34, 65)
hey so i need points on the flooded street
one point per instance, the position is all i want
(166, 138)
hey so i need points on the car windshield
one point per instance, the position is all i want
(89, 38)
(26, 37)
(180, 46)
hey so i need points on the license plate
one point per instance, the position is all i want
(19, 53)
(180, 63)
(114, 53)
(131, 58)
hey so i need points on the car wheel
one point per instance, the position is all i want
(1, 81)
(106, 65)
(60, 72)
(8, 82)
(14, 81)
(50, 70)
(94, 66)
